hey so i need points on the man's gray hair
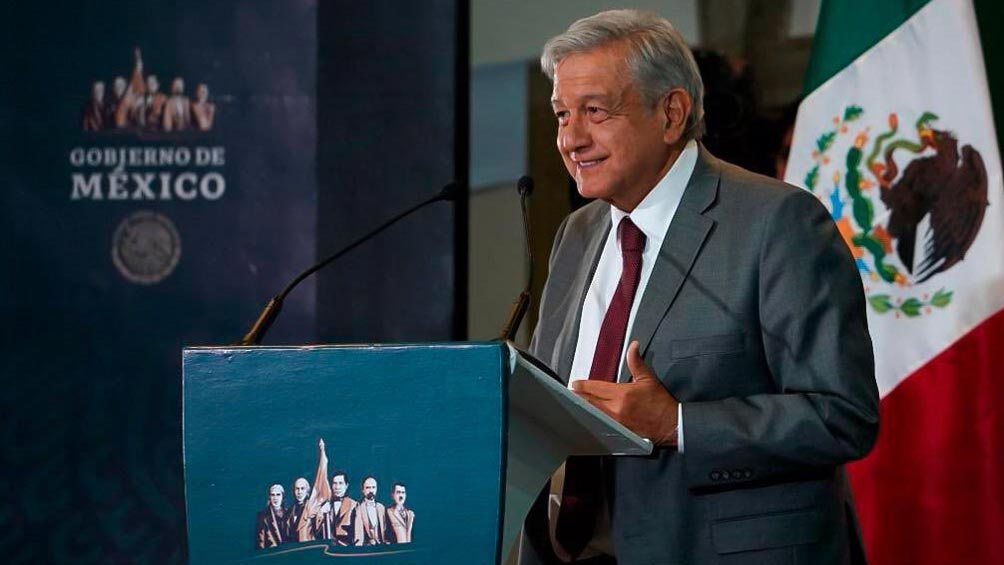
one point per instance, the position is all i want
(658, 57)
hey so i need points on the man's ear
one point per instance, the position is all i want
(676, 107)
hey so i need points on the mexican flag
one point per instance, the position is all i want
(896, 138)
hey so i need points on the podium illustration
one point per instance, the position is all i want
(463, 436)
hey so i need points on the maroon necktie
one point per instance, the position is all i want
(580, 493)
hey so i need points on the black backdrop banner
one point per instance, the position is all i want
(392, 130)
(158, 186)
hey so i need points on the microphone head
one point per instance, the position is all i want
(451, 191)
(525, 185)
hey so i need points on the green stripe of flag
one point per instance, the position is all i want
(989, 15)
(848, 28)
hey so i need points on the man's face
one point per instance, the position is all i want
(119, 86)
(300, 489)
(613, 145)
(177, 86)
(152, 84)
(275, 497)
(400, 495)
(369, 489)
(338, 485)
(201, 92)
(98, 91)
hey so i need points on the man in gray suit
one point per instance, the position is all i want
(715, 311)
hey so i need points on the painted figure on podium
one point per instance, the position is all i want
(338, 512)
(301, 490)
(310, 524)
(399, 517)
(271, 522)
(371, 516)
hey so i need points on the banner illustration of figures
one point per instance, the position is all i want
(138, 105)
(327, 512)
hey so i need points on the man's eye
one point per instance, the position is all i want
(596, 113)
(561, 115)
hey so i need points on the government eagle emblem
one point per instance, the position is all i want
(909, 206)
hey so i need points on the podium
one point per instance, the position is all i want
(467, 434)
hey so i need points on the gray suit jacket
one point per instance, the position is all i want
(754, 318)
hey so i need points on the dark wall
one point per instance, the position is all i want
(989, 15)
(392, 123)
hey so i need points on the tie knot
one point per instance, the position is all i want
(632, 238)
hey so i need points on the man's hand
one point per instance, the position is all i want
(320, 444)
(325, 508)
(643, 405)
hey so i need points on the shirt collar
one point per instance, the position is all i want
(654, 213)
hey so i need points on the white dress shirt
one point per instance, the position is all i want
(371, 512)
(652, 216)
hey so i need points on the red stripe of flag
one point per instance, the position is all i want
(932, 490)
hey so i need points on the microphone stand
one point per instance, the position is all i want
(522, 303)
(274, 306)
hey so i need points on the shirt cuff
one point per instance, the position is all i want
(679, 427)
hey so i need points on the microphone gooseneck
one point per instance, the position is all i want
(268, 315)
(525, 188)
(522, 303)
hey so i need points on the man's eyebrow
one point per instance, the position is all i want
(585, 98)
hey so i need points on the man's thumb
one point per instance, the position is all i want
(639, 370)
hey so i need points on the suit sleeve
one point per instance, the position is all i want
(815, 338)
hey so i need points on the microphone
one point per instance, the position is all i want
(451, 192)
(522, 303)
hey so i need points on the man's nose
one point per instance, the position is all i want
(574, 136)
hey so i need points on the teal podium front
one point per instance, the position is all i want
(375, 454)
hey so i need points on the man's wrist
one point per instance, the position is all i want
(667, 434)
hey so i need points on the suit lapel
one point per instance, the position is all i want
(344, 511)
(568, 338)
(680, 249)
(369, 521)
(276, 529)
(381, 522)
